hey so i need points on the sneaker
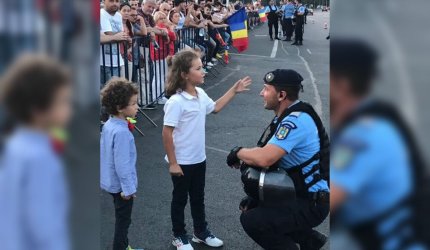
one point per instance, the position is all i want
(182, 243)
(149, 107)
(208, 67)
(214, 60)
(207, 238)
(204, 70)
(210, 64)
(219, 56)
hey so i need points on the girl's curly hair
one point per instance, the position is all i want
(117, 93)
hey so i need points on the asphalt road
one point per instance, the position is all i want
(240, 123)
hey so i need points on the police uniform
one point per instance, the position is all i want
(289, 10)
(281, 227)
(273, 20)
(299, 25)
(378, 185)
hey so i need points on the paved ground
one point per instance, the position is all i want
(240, 123)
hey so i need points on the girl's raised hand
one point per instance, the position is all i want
(242, 84)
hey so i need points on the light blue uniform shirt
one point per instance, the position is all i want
(297, 135)
(289, 10)
(273, 8)
(117, 158)
(301, 9)
(34, 197)
(370, 162)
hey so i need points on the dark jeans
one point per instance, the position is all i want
(192, 183)
(122, 221)
(272, 23)
(281, 228)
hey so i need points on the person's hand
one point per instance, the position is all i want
(127, 197)
(175, 170)
(232, 159)
(242, 84)
(121, 36)
(152, 34)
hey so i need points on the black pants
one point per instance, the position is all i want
(281, 228)
(273, 22)
(192, 183)
(299, 32)
(122, 221)
(288, 27)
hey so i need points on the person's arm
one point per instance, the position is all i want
(123, 163)
(261, 157)
(174, 168)
(143, 30)
(238, 87)
(116, 37)
(217, 26)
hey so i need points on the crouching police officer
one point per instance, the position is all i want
(296, 143)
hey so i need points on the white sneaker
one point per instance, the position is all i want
(210, 64)
(182, 243)
(214, 60)
(210, 240)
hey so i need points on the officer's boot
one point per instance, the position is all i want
(300, 43)
(295, 43)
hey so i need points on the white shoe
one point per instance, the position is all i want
(210, 64)
(211, 240)
(182, 243)
(214, 60)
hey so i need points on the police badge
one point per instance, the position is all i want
(284, 129)
(269, 77)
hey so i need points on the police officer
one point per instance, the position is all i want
(272, 16)
(292, 146)
(299, 16)
(288, 10)
(374, 166)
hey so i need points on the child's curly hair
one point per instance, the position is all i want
(117, 93)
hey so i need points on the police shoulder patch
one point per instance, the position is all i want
(284, 129)
(344, 152)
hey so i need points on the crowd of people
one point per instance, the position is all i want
(147, 33)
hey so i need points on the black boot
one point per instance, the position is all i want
(277, 38)
(300, 43)
(271, 38)
(288, 39)
(295, 43)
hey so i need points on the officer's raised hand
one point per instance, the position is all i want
(232, 159)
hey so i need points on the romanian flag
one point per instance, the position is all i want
(239, 31)
(262, 14)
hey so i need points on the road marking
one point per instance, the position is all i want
(282, 47)
(275, 48)
(218, 150)
(318, 103)
(260, 35)
(248, 55)
(309, 51)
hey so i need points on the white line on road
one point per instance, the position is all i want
(318, 103)
(218, 150)
(282, 46)
(248, 55)
(309, 51)
(260, 35)
(275, 48)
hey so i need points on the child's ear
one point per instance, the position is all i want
(183, 75)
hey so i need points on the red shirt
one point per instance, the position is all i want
(165, 49)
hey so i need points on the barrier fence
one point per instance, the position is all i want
(143, 60)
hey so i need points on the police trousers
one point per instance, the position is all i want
(273, 23)
(299, 32)
(280, 228)
(289, 28)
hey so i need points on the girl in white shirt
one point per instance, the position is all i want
(184, 142)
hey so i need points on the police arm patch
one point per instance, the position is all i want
(344, 152)
(284, 130)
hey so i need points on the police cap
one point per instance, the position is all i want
(283, 78)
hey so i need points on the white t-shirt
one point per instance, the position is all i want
(187, 114)
(109, 23)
